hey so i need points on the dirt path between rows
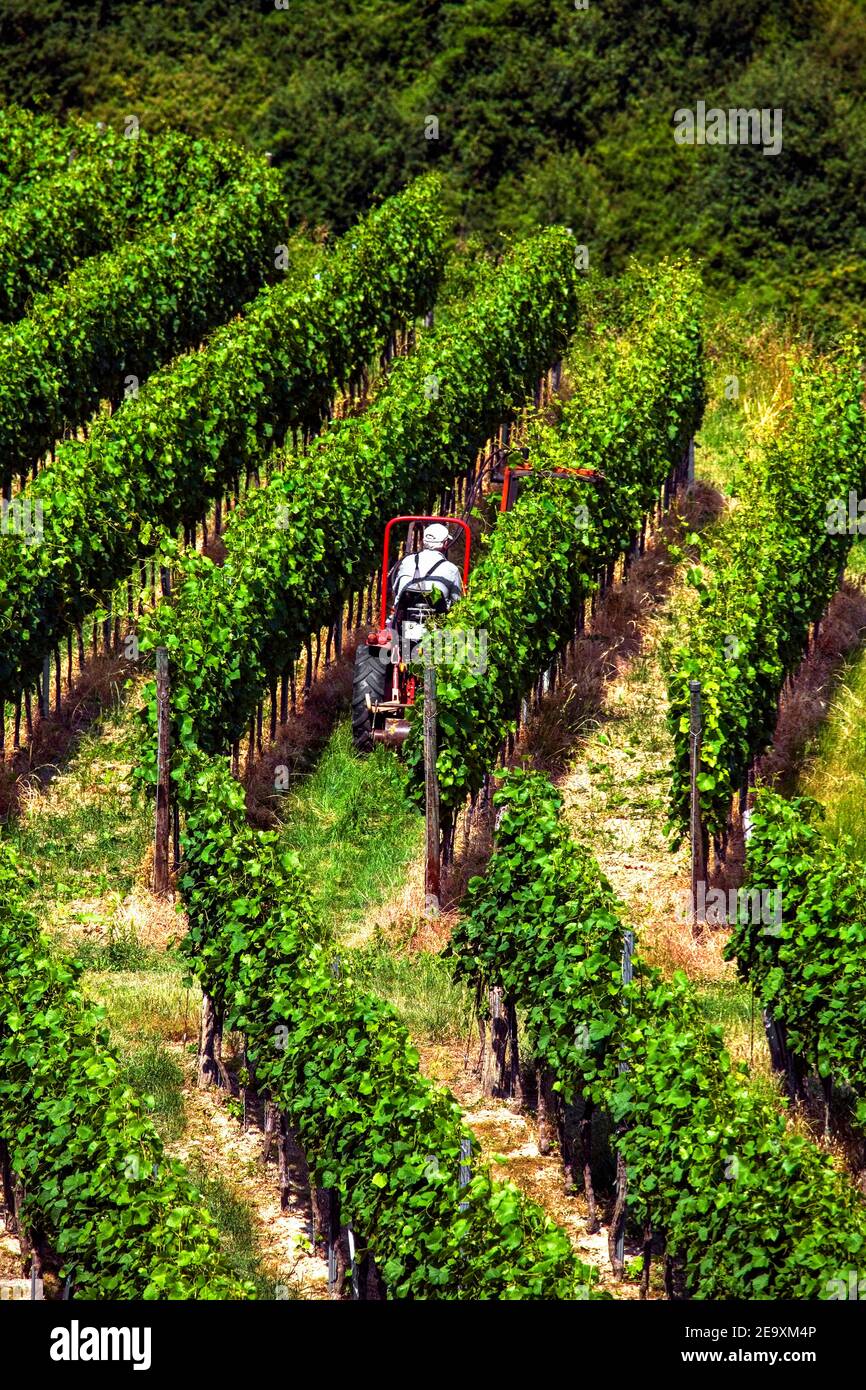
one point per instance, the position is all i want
(508, 1140)
(232, 1151)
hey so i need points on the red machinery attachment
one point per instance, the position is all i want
(513, 479)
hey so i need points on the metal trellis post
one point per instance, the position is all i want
(695, 825)
(621, 1176)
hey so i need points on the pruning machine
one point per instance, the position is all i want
(514, 477)
(384, 684)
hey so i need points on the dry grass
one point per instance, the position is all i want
(616, 634)
(145, 1004)
(154, 924)
(772, 355)
(806, 701)
(616, 802)
(399, 918)
(835, 765)
(808, 697)
(97, 688)
(89, 846)
(11, 1258)
(749, 388)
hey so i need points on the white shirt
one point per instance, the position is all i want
(447, 577)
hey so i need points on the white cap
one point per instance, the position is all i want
(436, 536)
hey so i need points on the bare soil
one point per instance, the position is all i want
(232, 1150)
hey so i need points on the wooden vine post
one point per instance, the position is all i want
(163, 776)
(46, 687)
(494, 1045)
(699, 867)
(208, 1045)
(432, 868)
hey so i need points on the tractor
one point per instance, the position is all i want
(385, 685)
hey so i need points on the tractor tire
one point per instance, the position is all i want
(371, 675)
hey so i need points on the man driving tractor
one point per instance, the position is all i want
(429, 569)
(424, 585)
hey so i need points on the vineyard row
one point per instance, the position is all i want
(636, 403)
(760, 584)
(118, 188)
(747, 1208)
(96, 335)
(202, 421)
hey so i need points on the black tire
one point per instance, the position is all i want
(370, 678)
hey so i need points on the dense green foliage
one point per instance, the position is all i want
(121, 315)
(755, 1212)
(542, 924)
(535, 113)
(33, 147)
(202, 420)
(343, 1068)
(125, 187)
(809, 970)
(637, 400)
(297, 546)
(546, 113)
(336, 1061)
(94, 1183)
(762, 579)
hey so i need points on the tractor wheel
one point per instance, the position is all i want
(371, 675)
